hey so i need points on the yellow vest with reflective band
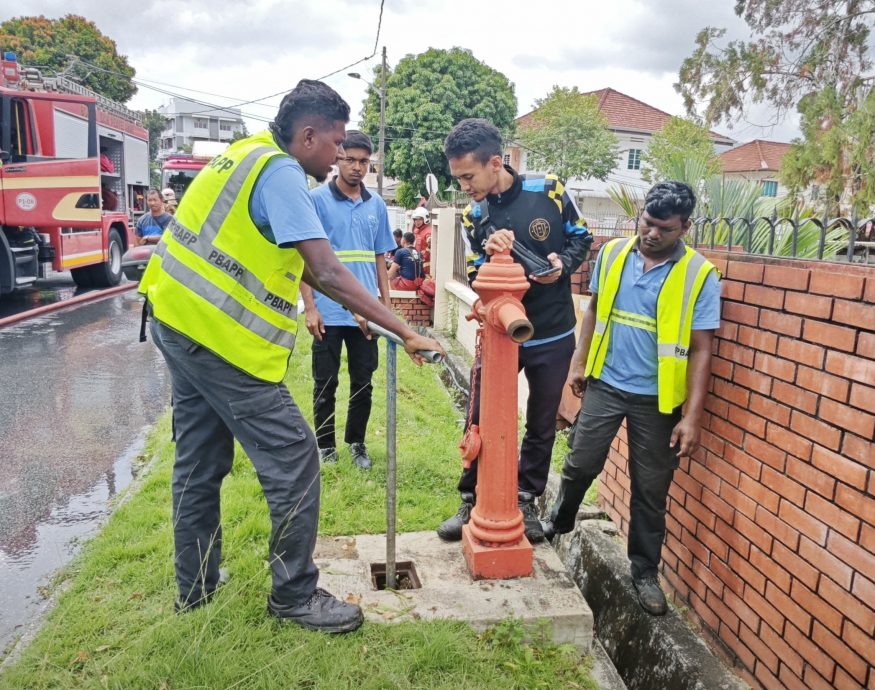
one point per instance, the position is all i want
(673, 323)
(216, 279)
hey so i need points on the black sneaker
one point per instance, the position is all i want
(322, 611)
(650, 595)
(183, 606)
(534, 530)
(360, 456)
(451, 528)
(327, 455)
(548, 529)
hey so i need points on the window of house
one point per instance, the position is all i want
(770, 188)
(224, 126)
(507, 159)
(201, 123)
(634, 160)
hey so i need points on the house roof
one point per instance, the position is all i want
(624, 112)
(755, 155)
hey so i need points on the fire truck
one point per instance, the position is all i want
(179, 169)
(74, 172)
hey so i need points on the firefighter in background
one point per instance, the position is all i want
(222, 290)
(644, 355)
(422, 231)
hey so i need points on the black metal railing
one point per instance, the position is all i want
(825, 239)
(460, 250)
(836, 239)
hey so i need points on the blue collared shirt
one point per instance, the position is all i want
(358, 230)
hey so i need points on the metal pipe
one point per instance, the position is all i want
(391, 406)
(429, 356)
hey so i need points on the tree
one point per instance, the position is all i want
(242, 133)
(65, 46)
(426, 95)
(808, 54)
(569, 136)
(155, 123)
(679, 139)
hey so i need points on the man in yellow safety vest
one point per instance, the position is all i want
(222, 290)
(644, 355)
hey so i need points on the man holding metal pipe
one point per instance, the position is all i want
(222, 290)
(538, 221)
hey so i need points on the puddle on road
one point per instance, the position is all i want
(28, 568)
(81, 393)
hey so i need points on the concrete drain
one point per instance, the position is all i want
(405, 576)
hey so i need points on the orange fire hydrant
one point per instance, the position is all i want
(494, 541)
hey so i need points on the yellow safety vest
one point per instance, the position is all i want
(216, 279)
(673, 323)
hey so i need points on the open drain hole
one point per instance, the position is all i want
(405, 576)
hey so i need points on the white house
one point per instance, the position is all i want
(190, 121)
(633, 122)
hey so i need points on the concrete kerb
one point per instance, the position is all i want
(647, 651)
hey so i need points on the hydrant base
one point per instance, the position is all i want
(496, 562)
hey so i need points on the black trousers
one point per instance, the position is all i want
(214, 403)
(651, 466)
(546, 369)
(362, 360)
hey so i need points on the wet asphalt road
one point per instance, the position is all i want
(79, 393)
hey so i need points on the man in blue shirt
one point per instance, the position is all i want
(152, 224)
(405, 273)
(627, 387)
(357, 226)
(216, 401)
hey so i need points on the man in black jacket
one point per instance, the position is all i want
(534, 213)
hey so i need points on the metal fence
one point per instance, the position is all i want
(837, 239)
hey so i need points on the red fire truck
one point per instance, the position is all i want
(74, 172)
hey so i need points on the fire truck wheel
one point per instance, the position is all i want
(109, 273)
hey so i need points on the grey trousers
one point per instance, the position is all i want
(214, 403)
(651, 466)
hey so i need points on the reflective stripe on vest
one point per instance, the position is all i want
(216, 279)
(673, 323)
(352, 256)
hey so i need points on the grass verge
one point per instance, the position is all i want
(115, 626)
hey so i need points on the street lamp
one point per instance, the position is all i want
(382, 142)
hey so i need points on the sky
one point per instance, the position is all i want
(232, 51)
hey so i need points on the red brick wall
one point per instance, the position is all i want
(412, 310)
(771, 524)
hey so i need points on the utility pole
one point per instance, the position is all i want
(382, 143)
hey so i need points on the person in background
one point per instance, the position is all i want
(405, 273)
(397, 234)
(169, 197)
(222, 293)
(357, 225)
(644, 355)
(422, 231)
(151, 225)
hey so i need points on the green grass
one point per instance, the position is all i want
(114, 627)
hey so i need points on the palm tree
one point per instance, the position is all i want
(733, 213)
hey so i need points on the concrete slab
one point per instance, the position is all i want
(448, 592)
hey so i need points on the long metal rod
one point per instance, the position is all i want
(391, 406)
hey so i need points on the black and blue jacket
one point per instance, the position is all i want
(545, 219)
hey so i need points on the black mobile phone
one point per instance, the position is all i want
(546, 271)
